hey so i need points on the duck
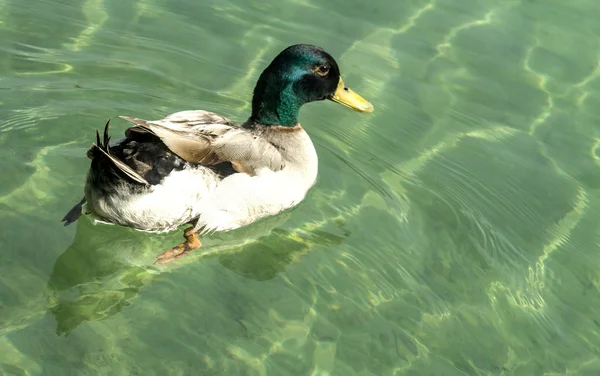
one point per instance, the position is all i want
(201, 169)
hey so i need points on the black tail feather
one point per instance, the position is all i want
(98, 143)
(103, 144)
(100, 152)
(74, 213)
(106, 136)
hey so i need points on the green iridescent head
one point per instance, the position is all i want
(298, 75)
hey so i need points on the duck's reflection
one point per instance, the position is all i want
(106, 266)
(98, 275)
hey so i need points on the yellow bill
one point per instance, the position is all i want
(344, 95)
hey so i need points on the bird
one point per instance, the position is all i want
(201, 169)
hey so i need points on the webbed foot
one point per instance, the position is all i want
(191, 243)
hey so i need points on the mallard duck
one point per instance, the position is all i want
(200, 168)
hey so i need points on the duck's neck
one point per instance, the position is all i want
(275, 102)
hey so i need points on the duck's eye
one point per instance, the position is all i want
(322, 70)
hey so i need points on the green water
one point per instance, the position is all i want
(454, 231)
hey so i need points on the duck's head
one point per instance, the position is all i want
(298, 75)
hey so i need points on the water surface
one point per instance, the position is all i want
(452, 232)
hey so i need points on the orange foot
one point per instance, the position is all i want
(191, 243)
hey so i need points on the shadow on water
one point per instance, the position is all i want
(106, 267)
(93, 279)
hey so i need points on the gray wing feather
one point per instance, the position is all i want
(207, 138)
(250, 150)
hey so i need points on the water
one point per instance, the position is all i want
(452, 232)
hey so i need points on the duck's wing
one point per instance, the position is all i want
(207, 138)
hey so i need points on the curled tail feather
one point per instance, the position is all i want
(103, 147)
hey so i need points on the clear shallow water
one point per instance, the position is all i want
(452, 232)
